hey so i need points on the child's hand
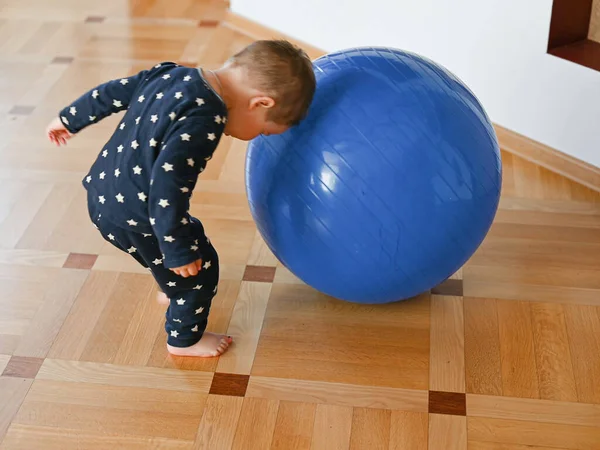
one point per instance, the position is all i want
(191, 270)
(57, 133)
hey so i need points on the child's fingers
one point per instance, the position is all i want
(199, 265)
(192, 270)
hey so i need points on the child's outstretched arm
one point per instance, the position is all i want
(188, 146)
(98, 103)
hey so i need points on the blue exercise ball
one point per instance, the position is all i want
(388, 186)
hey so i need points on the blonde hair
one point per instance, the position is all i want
(284, 72)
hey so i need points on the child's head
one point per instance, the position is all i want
(270, 85)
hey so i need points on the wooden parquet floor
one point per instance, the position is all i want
(505, 355)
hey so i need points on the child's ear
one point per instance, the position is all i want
(261, 102)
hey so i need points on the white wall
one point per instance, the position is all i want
(497, 47)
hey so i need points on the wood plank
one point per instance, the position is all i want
(332, 429)
(49, 318)
(553, 356)
(256, 425)
(219, 422)
(370, 429)
(518, 432)
(447, 432)
(294, 426)
(337, 394)
(12, 393)
(519, 372)
(545, 411)
(583, 323)
(447, 360)
(409, 431)
(245, 327)
(482, 347)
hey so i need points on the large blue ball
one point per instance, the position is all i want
(387, 187)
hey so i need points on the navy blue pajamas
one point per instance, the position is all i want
(140, 185)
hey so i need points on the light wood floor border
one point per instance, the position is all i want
(540, 154)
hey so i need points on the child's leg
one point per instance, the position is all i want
(189, 299)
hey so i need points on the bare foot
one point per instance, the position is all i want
(209, 346)
(162, 299)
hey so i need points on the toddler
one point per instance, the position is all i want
(140, 185)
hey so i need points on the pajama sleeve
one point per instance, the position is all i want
(187, 147)
(100, 102)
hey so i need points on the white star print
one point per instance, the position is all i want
(157, 262)
(132, 223)
(152, 221)
(198, 287)
(117, 173)
(146, 235)
(191, 162)
(137, 170)
(141, 98)
(88, 179)
(194, 248)
(166, 76)
(224, 119)
(120, 149)
(199, 310)
(177, 320)
(174, 333)
(137, 120)
(73, 110)
(131, 250)
(185, 190)
(143, 197)
(92, 118)
(117, 103)
(122, 126)
(184, 221)
(215, 290)
(101, 199)
(153, 142)
(159, 95)
(211, 136)
(124, 81)
(120, 198)
(102, 175)
(172, 116)
(157, 66)
(187, 78)
(207, 264)
(171, 284)
(105, 153)
(95, 93)
(65, 120)
(181, 302)
(169, 239)
(163, 202)
(111, 237)
(218, 119)
(195, 329)
(168, 167)
(183, 118)
(134, 144)
(178, 95)
(154, 118)
(200, 101)
(185, 137)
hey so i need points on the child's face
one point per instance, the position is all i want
(249, 120)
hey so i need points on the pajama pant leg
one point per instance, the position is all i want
(190, 298)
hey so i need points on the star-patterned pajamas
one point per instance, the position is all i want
(140, 185)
